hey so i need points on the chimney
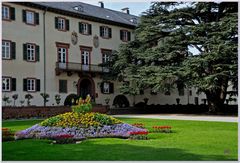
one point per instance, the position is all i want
(125, 10)
(101, 4)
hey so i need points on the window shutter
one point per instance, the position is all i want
(89, 29)
(101, 87)
(38, 85)
(111, 88)
(110, 32)
(24, 84)
(13, 84)
(12, 13)
(129, 36)
(56, 22)
(24, 51)
(67, 25)
(24, 16)
(121, 35)
(13, 50)
(80, 27)
(36, 16)
(101, 31)
(37, 53)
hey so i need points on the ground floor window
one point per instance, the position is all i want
(62, 86)
(6, 82)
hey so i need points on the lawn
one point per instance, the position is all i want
(190, 140)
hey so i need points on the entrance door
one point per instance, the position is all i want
(85, 60)
(85, 88)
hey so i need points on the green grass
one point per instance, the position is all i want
(190, 140)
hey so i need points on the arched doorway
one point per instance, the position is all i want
(86, 86)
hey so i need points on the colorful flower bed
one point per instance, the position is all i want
(7, 134)
(165, 129)
(138, 135)
(140, 125)
(79, 124)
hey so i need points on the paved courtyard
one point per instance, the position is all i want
(183, 117)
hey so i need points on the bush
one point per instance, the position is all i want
(82, 106)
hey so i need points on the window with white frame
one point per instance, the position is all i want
(85, 28)
(106, 87)
(29, 17)
(5, 12)
(61, 24)
(105, 32)
(125, 35)
(31, 85)
(106, 57)
(62, 54)
(6, 46)
(30, 52)
(6, 82)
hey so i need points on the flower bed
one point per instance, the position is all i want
(165, 129)
(138, 135)
(140, 125)
(7, 134)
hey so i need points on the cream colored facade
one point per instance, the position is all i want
(19, 32)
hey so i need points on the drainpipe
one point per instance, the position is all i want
(44, 54)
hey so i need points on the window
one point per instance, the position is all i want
(6, 46)
(107, 87)
(125, 35)
(62, 54)
(106, 54)
(30, 17)
(31, 52)
(5, 13)
(61, 24)
(105, 32)
(6, 82)
(85, 28)
(62, 86)
(31, 84)
(181, 91)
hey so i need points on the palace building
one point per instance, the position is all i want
(57, 48)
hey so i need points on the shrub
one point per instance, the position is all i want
(105, 120)
(82, 106)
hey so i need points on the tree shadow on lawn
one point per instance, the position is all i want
(95, 150)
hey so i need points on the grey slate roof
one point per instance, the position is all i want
(93, 11)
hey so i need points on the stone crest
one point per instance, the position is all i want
(95, 41)
(74, 38)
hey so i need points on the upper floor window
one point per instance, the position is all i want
(31, 84)
(62, 52)
(8, 84)
(125, 35)
(8, 49)
(30, 52)
(30, 17)
(106, 54)
(105, 32)
(8, 13)
(61, 24)
(85, 28)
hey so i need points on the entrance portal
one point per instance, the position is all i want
(85, 87)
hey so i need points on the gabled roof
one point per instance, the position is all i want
(89, 12)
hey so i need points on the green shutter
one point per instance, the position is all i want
(24, 51)
(67, 25)
(111, 88)
(101, 31)
(121, 35)
(36, 17)
(24, 84)
(80, 27)
(13, 50)
(56, 22)
(37, 53)
(89, 29)
(110, 32)
(129, 36)
(12, 13)
(13, 84)
(24, 15)
(38, 86)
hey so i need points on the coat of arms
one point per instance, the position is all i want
(95, 41)
(74, 38)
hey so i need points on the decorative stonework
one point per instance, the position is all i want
(74, 38)
(95, 41)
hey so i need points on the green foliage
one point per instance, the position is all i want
(103, 119)
(45, 97)
(51, 121)
(7, 135)
(84, 108)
